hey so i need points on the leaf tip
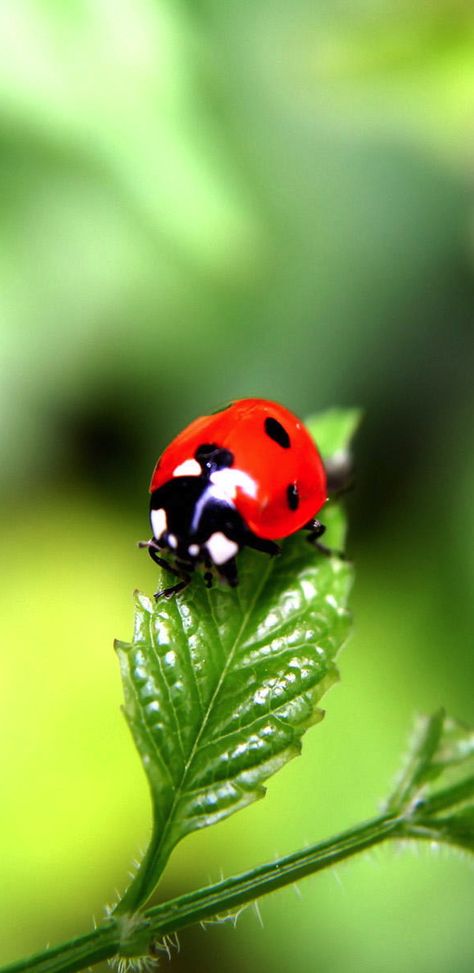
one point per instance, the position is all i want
(334, 430)
(119, 645)
(143, 601)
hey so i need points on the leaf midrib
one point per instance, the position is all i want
(180, 788)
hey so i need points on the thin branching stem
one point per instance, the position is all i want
(129, 936)
(134, 934)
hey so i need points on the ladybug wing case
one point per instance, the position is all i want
(262, 458)
(275, 450)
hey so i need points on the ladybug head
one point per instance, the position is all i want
(194, 519)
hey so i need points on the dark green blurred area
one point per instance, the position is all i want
(202, 201)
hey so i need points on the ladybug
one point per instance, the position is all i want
(245, 476)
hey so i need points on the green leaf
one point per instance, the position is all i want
(457, 829)
(333, 430)
(441, 752)
(418, 766)
(221, 685)
(438, 776)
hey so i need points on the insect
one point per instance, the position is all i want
(246, 476)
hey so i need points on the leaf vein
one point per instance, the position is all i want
(179, 786)
(166, 684)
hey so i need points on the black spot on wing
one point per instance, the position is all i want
(277, 432)
(292, 496)
(213, 457)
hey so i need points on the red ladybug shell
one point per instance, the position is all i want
(276, 481)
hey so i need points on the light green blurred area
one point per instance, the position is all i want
(202, 201)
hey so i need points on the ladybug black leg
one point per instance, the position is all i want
(208, 575)
(317, 529)
(208, 579)
(160, 561)
(184, 577)
(263, 545)
(228, 572)
(172, 590)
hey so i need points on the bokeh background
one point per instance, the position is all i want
(201, 201)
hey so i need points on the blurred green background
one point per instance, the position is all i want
(202, 201)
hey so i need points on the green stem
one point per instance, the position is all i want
(146, 879)
(132, 935)
(235, 892)
(76, 954)
(455, 795)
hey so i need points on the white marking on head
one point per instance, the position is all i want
(193, 550)
(228, 480)
(190, 467)
(209, 494)
(222, 488)
(172, 541)
(221, 548)
(159, 522)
